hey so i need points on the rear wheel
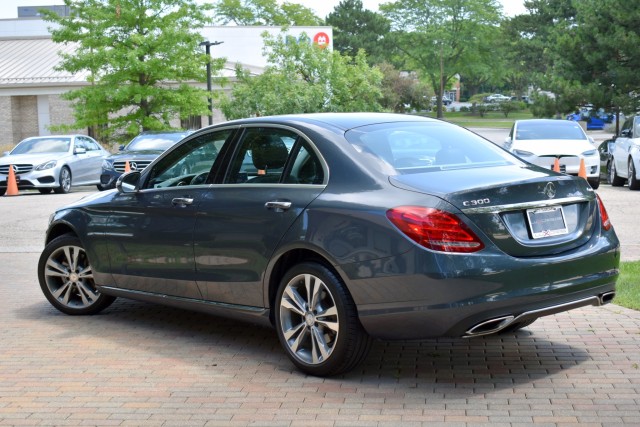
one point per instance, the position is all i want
(66, 278)
(634, 184)
(2, 191)
(614, 179)
(65, 181)
(317, 321)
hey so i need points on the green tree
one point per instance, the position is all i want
(604, 52)
(263, 12)
(402, 91)
(356, 28)
(438, 36)
(303, 78)
(139, 57)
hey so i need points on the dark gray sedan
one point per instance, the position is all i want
(335, 229)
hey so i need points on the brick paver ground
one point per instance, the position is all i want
(139, 364)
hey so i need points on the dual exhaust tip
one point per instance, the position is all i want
(497, 324)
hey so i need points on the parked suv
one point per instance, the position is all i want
(625, 156)
(139, 153)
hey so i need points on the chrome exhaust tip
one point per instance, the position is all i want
(607, 297)
(489, 326)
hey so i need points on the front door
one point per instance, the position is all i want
(151, 231)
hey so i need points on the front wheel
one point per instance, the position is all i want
(614, 179)
(66, 278)
(317, 321)
(634, 184)
(64, 181)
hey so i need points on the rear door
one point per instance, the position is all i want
(273, 175)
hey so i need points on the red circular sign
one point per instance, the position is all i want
(321, 40)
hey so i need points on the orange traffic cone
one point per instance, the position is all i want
(127, 168)
(583, 170)
(556, 165)
(12, 185)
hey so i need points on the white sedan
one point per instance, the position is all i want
(542, 141)
(53, 163)
(625, 156)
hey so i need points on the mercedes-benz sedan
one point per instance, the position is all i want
(53, 163)
(336, 229)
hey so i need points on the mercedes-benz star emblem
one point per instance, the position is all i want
(133, 166)
(549, 190)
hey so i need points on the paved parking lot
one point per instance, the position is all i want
(140, 364)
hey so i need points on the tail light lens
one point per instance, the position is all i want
(604, 216)
(435, 229)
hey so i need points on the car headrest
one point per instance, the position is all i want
(268, 152)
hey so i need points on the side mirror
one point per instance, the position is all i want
(128, 182)
(120, 148)
(79, 150)
(625, 133)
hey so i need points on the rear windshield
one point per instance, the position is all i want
(154, 141)
(549, 130)
(414, 147)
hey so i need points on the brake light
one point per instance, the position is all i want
(435, 229)
(604, 216)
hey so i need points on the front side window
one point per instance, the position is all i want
(190, 163)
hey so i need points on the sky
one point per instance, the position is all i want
(9, 8)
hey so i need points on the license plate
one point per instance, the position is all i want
(547, 222)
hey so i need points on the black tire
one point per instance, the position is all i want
(44, 190)
(614, 179)
(2, 191)
(517, 326)
(66, 278)
(594, 182)
(332, 321)
(65, 181)
(634, 184)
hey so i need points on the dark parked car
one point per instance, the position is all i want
(138, 153)
(342, 227)
(606, 154)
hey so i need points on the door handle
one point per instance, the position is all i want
(278, 206)
(182, 201)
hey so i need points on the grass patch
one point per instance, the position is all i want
(492, 119)
(628, 286)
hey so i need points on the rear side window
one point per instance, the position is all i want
(419, 147)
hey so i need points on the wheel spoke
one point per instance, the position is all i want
(295, 336)
(314, 290)
(328, 319)
(85, 292)
(86, 273)
(320, 350)
(55, 269)
(295, 302)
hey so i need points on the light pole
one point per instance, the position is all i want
(207, 44)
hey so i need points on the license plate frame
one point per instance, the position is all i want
(547, 222)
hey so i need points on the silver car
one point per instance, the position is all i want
(55, 162)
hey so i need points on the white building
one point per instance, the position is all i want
(30, 85)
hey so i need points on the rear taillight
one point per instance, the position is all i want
(604, 216)
(435, 229)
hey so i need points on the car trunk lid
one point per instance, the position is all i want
(525, 211)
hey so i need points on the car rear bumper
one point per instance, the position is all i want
(468, 291)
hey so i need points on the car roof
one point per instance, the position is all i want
(342, 121)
